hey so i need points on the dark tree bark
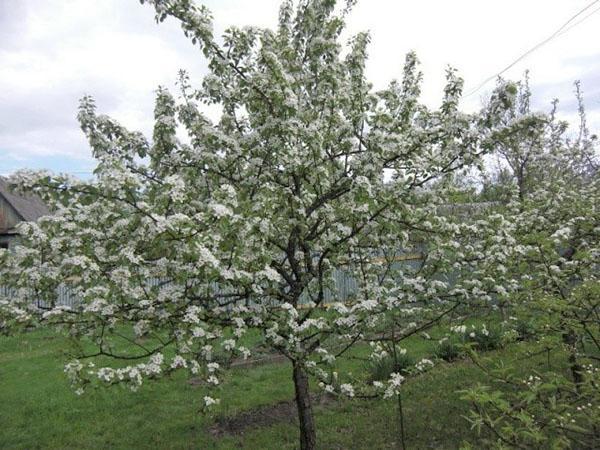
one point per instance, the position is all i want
(571, 339)
(308, 436)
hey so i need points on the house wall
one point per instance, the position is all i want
(8, 216)
(7, 240)
(8, 220)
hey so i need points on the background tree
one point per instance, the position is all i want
(555, 262)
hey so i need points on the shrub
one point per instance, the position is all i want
(448, 350)
(485, 339)
(380, 369)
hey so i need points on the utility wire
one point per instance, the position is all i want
(563, 29)
(579, 21)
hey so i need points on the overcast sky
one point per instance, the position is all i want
(52, 52)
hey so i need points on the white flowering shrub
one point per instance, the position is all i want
(382, 363)
(483, 337)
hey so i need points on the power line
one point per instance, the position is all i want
(581, 20)
(562, 30)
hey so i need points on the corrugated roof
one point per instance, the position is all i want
(30, 208)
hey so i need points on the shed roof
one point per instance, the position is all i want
(29, 207)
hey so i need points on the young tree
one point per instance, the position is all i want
(306, 172)
(555, 207)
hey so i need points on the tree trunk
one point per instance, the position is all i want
(308, 436)
(571, 339)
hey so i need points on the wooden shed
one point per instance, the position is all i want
(14, 209)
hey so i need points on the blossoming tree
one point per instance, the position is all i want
(178, 247)
(554, 196)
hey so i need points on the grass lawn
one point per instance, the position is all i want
(38, 410)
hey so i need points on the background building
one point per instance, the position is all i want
(15, 209)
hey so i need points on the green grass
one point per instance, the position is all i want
(39, 410)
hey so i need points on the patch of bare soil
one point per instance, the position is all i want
(264, 416)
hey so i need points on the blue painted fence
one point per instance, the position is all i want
(345, 287)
